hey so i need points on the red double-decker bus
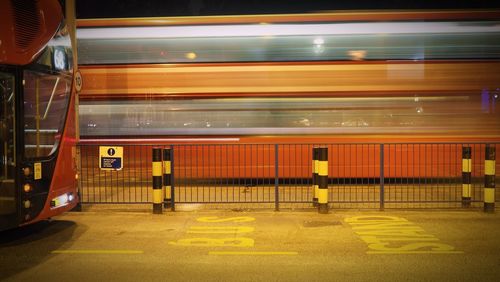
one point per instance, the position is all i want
(38, 176)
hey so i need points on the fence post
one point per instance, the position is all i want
(323, 180)
(157, 189)
(172, 179)
(167, 189)
(315, 159)
(489, 179)
(382, 180)
(276, 179)
(466, 176)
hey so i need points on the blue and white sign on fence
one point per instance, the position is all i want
(110, 158)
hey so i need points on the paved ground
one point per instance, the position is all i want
(133, 245)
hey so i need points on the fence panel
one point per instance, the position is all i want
(402, 175)
(229, 173)
(132, 184)
(354, 175)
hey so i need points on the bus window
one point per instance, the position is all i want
(45, 105)
(7, 145)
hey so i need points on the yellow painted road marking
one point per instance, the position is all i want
(396, 235)
(216, 219)
(216, 230)
(378, 240)
(250, 253)
(99, 252)
(215, 242)
(414, 252)
(220, 229)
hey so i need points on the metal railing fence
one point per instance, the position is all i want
(396, 175)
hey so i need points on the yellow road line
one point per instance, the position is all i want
(413, 252)
(99, 252)
(250, 253)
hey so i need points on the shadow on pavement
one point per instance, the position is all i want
(28, 246)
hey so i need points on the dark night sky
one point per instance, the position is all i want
(158, 8)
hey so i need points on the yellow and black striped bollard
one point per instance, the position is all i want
(167, 185)
(157, 191)
(315, 176)
(489, 179)
(323, 180)
(466, 177)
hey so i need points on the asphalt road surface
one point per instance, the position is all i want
(134, 245)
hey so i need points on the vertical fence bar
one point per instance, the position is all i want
(269, 146)
(141, 172)
(167, 185)
(157, 187)
(218, 168)
(323, 180)
(251, 177)
(133, 166)
(183, 174)
(102, 196)
(305, 190)
(227, 175)
(172, 179)
(382, 192)
(93, 176)
(349, 177)
(234, 174)
(276, 179)
(489, 179)
(122, 172)
(126, 158)
(466, 176)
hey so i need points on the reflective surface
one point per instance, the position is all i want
(45, 104)
(432, 114)
(47, 87)
(7, 150)
(319, 78)
(290, 42)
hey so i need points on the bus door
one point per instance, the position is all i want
(8, 202)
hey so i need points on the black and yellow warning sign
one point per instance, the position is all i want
(110, 158)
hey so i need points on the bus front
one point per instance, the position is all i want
(37, 132)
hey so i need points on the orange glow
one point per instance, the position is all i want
(27, 188)
(285, 18)
(191, 55)
(287, 78)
